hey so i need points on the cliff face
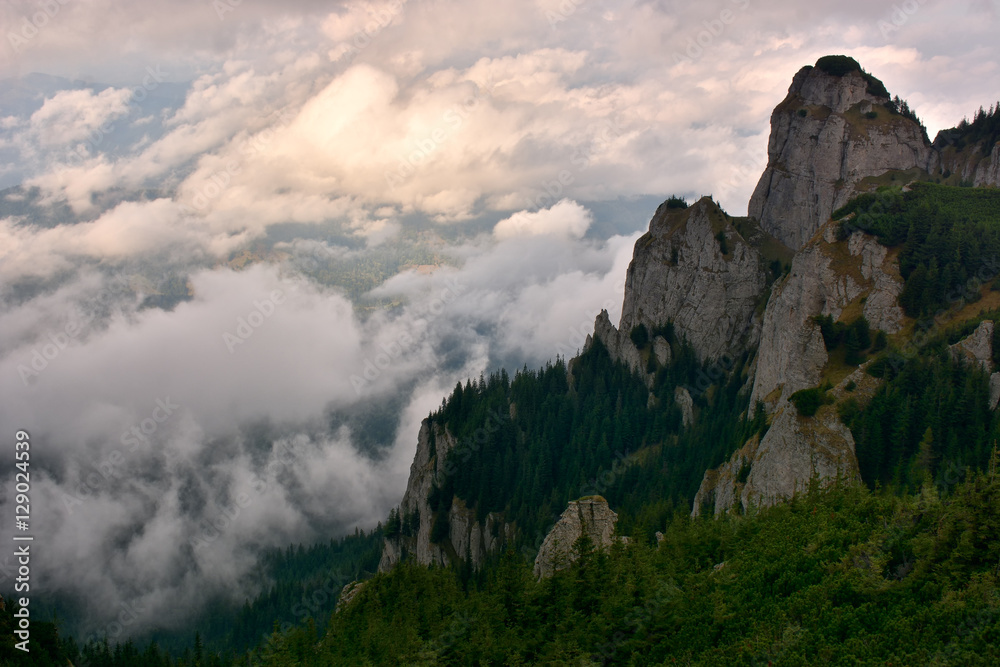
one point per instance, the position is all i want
(466, 535)
(828, 135)
(827, 277)
(693, 267)
(589, 516)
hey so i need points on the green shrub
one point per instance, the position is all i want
(639, 335)
(676, 202)
(723, 246)
(807, 401)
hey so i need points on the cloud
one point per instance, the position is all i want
(73, 115)
(566, 219)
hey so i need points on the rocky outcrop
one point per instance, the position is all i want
(680, 273)
(828, 135)
(977, 347)
(977, 165)
(661, 348)
(682, 397)
(794, 451)
(590, 516)
(349, 592)
(467, 537)
(827, 276)
(619, 345)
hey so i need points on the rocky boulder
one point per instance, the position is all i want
(590, 516)
(794, 451)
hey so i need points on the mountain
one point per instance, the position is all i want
(756, 288)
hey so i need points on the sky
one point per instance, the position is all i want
(514, 151)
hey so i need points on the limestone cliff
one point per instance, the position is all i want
(466, 536)
(831, 132)
(694, 268)
(977, 164)
(794, 451)
(827, 277)
(590, 516)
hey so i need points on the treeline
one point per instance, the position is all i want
(984, 130)
(836, 576)
(949, 240)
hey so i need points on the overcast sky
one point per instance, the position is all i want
(238, 116)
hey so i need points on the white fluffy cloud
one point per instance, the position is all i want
(566, 219)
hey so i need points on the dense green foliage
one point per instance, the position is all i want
(949, 240)
(930, 419)
(856, 337)
(676, 202)
(984, 131)
(839, 576)
(807, 401)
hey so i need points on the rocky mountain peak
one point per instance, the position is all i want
(833, 134)
(696, 269)
(837, 83)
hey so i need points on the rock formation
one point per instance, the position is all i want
(827, 277)
(590, 516)
(972, 164)
(680, 273)
(977, 347)
(829, 134)
(467, 537)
